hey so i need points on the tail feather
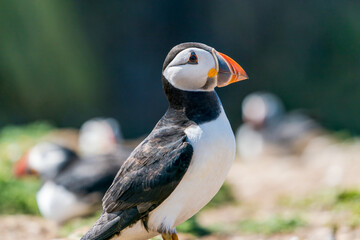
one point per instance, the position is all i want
(110, 224)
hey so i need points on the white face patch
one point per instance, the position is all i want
(97, 138)
(46, 158)
(187, 76)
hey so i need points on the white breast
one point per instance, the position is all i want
(214, 151)
(58, 204)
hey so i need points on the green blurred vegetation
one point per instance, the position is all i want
(18, 196)
(45, 63)
(15, 140)
(271, 225)
(344, 204)
(222, 198)
(69, 60)
(348, 200)
(192, 226)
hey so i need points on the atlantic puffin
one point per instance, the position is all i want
(99, 136)
(72, 186)
(267, 124)
(182, 164)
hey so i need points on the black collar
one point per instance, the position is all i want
(199, 106)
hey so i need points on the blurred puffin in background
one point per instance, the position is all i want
(99, 136)
(74, 186)
(267, 127)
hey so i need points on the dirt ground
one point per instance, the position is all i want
(259, 184)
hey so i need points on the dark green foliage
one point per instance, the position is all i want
(69, 60)
(347, 196)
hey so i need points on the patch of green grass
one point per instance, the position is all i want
(337, 201)
(348, 196)
(328, 199)
(14, 140)
(349, 201)
(271, 226)
(156, 238)
(343, 136)
(32, 130)
(322, 200)
(193, 227)
(18, 196)
(223, 197)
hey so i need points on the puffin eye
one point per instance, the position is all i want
(193, 58)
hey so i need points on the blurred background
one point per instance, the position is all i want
(64, 62)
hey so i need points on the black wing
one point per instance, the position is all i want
(93, 175)
(146, 179)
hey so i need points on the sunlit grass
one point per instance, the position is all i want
(272, 225)
(191, 226)
(340, 202)
(18, 196)
(14, 140)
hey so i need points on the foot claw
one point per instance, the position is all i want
(173, 236)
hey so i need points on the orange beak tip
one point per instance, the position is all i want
(238, 73)
(243, 77)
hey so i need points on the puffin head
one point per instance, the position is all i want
(197, 67)
(99, 136)
(45, 159)
(262, 108)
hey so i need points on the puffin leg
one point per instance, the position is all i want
(173, 236)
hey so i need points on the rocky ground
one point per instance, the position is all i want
(312, 196)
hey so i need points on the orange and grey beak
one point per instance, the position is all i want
(228, 71)
(21, 168)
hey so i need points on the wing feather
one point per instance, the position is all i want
(145, 180)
